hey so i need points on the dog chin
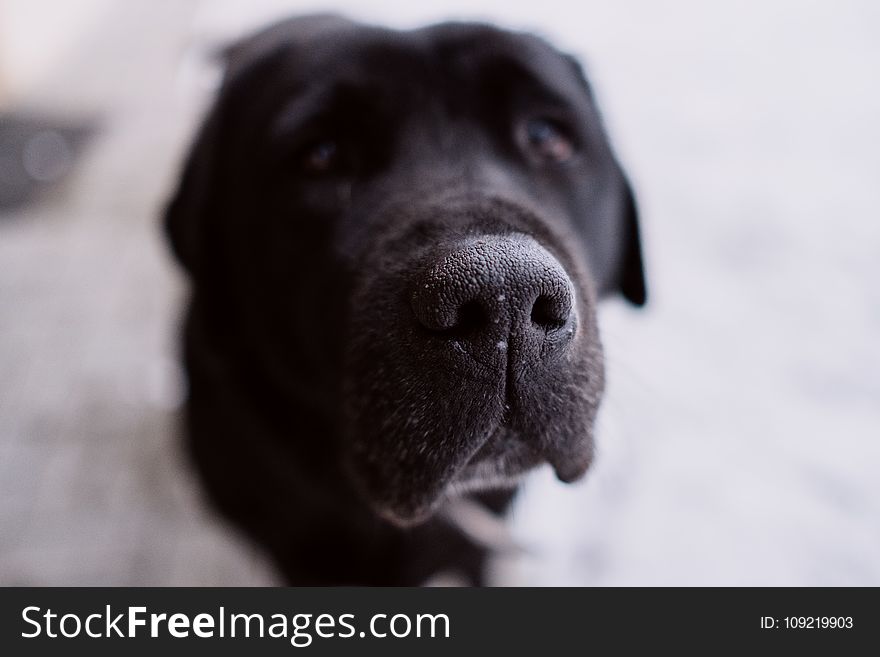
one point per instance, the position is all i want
(407, 518)
(486, 475)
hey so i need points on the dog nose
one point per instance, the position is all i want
(496, 292)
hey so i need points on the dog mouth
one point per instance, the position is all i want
(426, 434)
(503, 461)
(470, 363)
(422, 434)
(507, 469)
(488, 474)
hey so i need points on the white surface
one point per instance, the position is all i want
(35, 38)
(739, 438)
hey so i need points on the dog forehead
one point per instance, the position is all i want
(329, 47)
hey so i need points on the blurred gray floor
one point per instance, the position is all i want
(92, 488)
(740, 439)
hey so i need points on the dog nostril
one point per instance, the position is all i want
(493, 287)
(547, 314)
(471, 319)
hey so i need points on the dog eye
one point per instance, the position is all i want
(321, 157)
(547, 140)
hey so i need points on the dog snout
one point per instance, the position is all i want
(497, 292)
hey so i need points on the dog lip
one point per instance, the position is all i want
(469, 479)
(569, 470)
(483, 364)
(405, 519)
(405, 516)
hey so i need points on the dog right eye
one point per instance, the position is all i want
(547, 140)
(321, 157)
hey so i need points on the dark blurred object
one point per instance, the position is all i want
(35, 154)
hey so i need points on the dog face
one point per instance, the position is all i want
(409, 232)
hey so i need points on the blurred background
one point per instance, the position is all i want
(739, 443)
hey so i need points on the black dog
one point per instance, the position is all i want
(396, 242)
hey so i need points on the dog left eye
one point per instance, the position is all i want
(547, 140)
(321, 157)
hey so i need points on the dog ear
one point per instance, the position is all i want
(185, 213)
(630, 280)
(189, 208)
(631, 275)
(195, 203)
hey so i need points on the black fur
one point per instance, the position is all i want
(394, 287)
